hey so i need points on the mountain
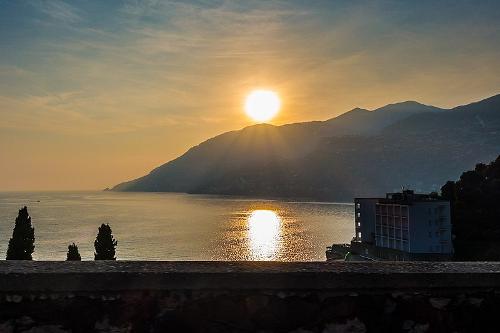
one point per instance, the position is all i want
(363, 122)
(359, 153)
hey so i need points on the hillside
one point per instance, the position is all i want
(358, 153)
(474, 199)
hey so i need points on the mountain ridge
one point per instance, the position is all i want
(337, 158)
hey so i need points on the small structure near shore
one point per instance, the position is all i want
(402, 226)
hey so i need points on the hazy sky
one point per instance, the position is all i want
(93, 93)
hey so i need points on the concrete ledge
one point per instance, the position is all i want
(339, 276)
(154, 297)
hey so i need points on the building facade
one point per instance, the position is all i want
(403, 226)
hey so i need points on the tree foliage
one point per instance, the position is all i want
(22, 243)
(105, 244)
(475, 212)
(73, 254)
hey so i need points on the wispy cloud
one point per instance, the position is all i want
(134, 69)
(58, 10)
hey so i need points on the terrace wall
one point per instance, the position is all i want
(249, 296)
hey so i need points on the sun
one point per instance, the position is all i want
(262, 105)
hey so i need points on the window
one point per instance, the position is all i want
(437, 233)
(430, 234)
(359, 224)
(405, 234)
(358, 205)
(359, 234)
(430, 223)
(358, 214)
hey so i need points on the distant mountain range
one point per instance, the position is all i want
(359, 153)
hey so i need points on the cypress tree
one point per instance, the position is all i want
(22, 243)
(73, 254)
(105, 244)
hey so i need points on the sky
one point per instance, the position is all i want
(93, 93)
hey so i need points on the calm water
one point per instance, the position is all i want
(164, 226)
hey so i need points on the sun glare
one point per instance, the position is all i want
(262, 105)
(264, 232)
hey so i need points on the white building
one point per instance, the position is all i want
(403, 226)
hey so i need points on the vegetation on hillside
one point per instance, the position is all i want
(475, 210)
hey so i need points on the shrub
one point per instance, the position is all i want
(73, 254)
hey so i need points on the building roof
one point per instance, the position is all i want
(407, 197)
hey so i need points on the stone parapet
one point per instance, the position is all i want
(120, 296)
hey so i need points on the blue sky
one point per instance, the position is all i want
(96, 92)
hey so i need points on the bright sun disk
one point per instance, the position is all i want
(262, 105)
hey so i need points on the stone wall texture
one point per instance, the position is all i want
(249, 297)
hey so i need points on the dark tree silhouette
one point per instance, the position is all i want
(105, 244)
(22, 243)
(475, 212)
(73, 254)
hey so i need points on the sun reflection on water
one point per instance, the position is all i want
(264, 231)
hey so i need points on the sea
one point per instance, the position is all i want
(172, 226)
